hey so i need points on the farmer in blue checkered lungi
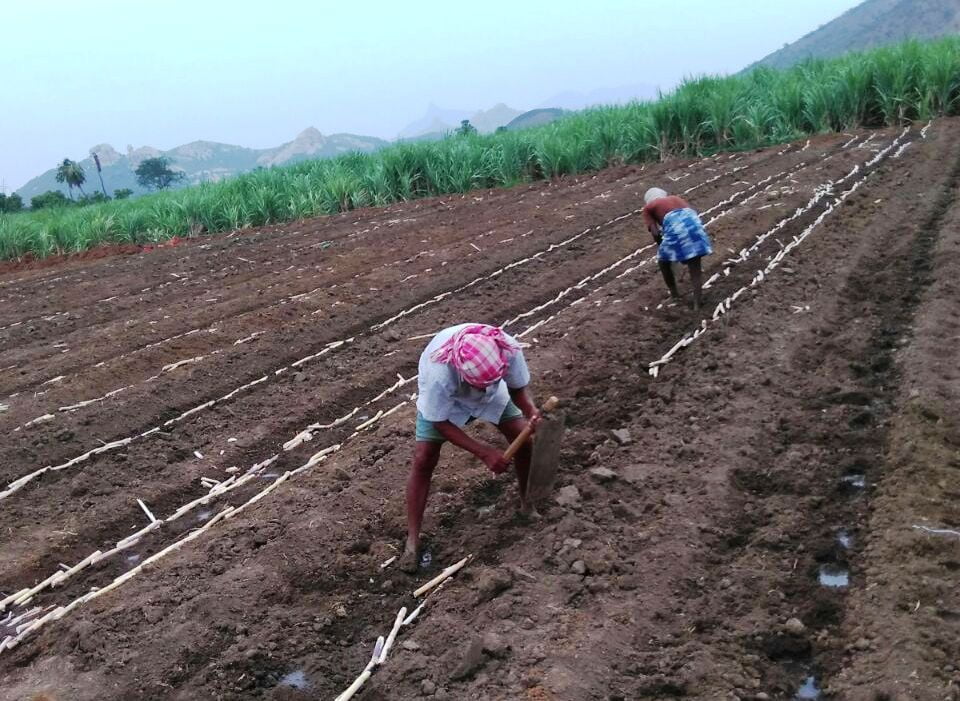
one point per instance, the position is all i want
(678, 231)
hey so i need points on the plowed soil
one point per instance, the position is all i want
(777, 513)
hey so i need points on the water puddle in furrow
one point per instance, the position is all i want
(834, 576)
(854, 480)
(810, 689)
(204, 514)
(269, 476)
(132, 558)
(426, 558)
(295, 679)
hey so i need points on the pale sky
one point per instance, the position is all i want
(255, 74)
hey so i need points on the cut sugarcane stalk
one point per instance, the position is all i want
(24, 616)
(377, 649)
(13, 597)
(16, 484)
(153, 519)
(301, 437)
(413, 616)
(369, 422)
(27, 594)
(326, 451)
(448, 572)
(39, 419)
(134, 537)
(394, 409)
(397, 623)
(85, 562)
(355, 687)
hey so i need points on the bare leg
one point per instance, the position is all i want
(696, 280)
(425, 458)
(668, 278)
(511, 428)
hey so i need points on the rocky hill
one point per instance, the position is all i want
(535, 118)
(438, 121)
(871, 24)
(202, 161)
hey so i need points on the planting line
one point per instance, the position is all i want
(302, 296)
(170, 367)
(382, 647)
(307, 434)
(18, 484)
(628, 271)
(81, 309)
(21, 482)
(534, 257)
(820, 193)
(766, 182)
(218, 489)
(232, 483)
(825, 190)
(23, 597)
(293, 298)
(102, 363)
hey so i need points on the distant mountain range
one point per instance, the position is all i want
(871, 24)
(535, 118)
(572, 100)
(202, 161)
(439, 121)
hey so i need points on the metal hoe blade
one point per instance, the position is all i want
(546, 457)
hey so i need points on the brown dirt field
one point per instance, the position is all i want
(804, 433)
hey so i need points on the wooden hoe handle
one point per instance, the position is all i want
(548, 406)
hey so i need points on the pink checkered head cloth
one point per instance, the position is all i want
(480, 353)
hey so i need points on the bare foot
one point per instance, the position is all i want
(409, 562)
(528, 513)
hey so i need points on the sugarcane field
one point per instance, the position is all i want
(207, 444)
(626, 370)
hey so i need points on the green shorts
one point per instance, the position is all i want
(426, 431)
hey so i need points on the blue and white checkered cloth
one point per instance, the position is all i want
(684, 237)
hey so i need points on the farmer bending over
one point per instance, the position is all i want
(467, 372)
(679, 233)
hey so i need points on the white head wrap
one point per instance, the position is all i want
(654, 193)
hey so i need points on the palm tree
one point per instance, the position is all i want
(96, 159)
(71, 173)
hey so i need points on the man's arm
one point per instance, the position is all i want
(652, 226)
(491, 456)
(521, 397)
